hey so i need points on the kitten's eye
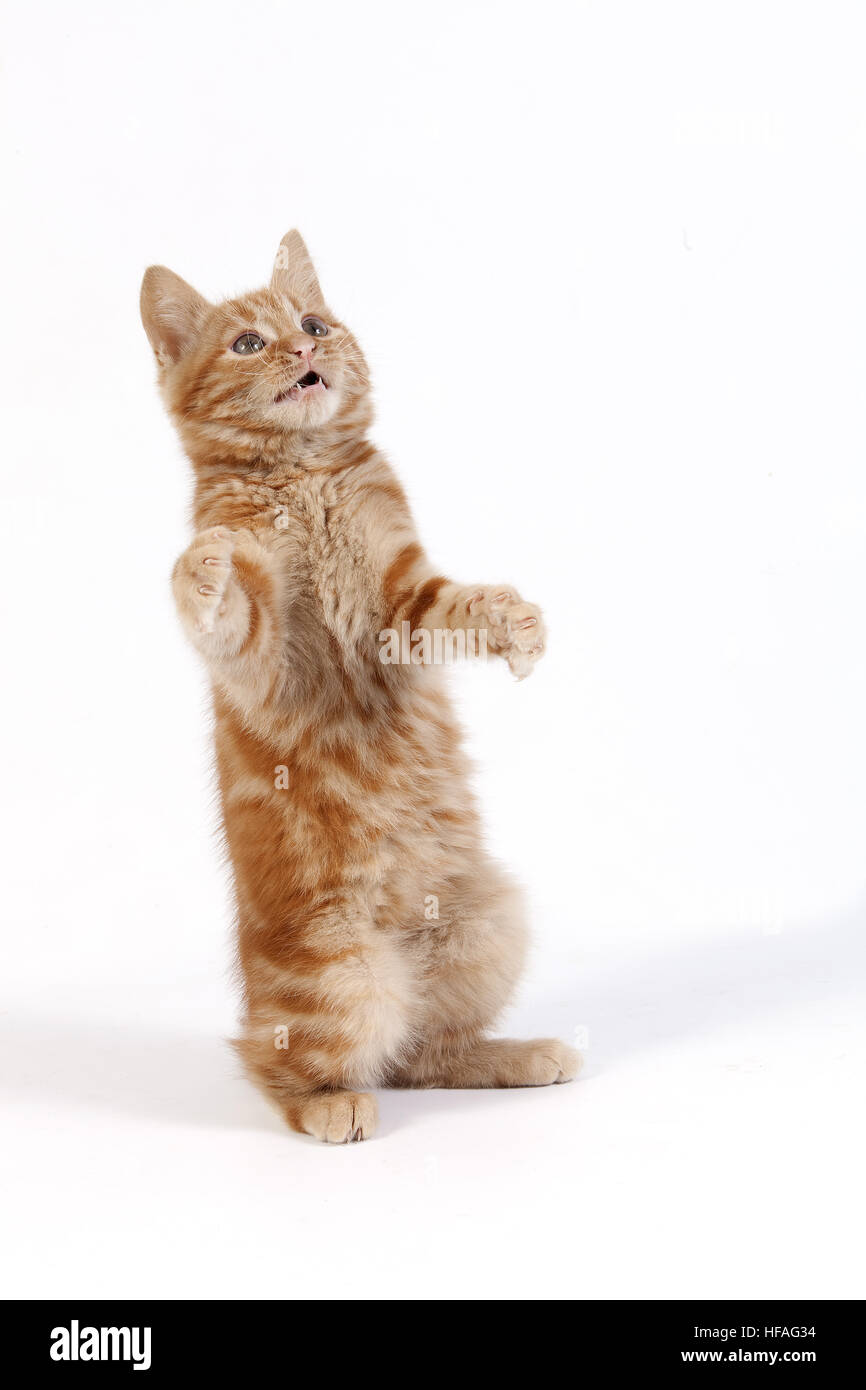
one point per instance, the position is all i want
(314, 326)
(248, 342)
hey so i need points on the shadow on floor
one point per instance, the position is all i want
(631, 1002)
(630, 1005)
(169, 1076)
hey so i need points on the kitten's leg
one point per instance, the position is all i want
(495, 614)
(301, 1067)
(330, 1005)
(309, 1091)
(226, 590)
(476, 1062)
(472, 960)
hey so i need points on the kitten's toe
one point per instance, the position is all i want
(553, 1062)
(516, 629)
(526, 638)
(570, 1062)
(341, 1117)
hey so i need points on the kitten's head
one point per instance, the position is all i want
(274, 365)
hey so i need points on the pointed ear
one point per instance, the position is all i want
(294, 274)
(172, 313)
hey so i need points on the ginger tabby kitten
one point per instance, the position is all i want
(378, 941)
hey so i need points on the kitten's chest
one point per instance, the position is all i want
(323, 553)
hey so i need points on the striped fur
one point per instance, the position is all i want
(377, 940)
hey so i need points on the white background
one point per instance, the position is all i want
(607, 263)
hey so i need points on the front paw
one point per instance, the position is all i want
(212, 604)
(515, 629)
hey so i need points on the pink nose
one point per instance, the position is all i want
(302, 346)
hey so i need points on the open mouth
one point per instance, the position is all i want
(310, 383)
